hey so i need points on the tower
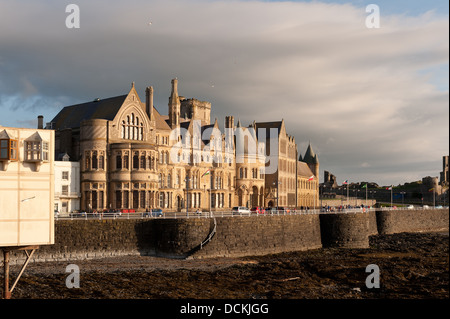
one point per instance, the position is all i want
(174, 105)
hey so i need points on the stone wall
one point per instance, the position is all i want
(261, 235)
(235, 236)
(398, 221)
(83, 239)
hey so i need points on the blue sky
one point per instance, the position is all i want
(406, 7)
(373, 102)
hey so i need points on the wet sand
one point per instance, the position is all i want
(412, 266)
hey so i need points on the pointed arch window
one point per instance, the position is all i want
(132, 128)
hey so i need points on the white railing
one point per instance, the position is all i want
(175, 215)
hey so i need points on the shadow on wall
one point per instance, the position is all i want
(145, 237)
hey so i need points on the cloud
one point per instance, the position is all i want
(359, 95)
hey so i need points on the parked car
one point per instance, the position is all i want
(257, 210)
(240, 210)
(78, 214)
(156, 212)
(111, 213)
(410, 207)
(278, 210)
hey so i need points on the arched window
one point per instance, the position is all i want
(127, 133)
(132, 128)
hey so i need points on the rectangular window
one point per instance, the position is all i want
(33, 151)
(13, 150)
(65, 190)
(45, 151)
(135, 162)
(118, 199)
(125, 199)
(119, 162)
(4, 149)
(142, 200)
(101, 162)
(65, 175)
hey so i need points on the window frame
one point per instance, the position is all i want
(12, 149)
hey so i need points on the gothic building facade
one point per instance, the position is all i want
(133, 157)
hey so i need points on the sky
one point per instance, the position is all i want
(372, 101)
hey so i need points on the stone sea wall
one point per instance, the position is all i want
(232, 236)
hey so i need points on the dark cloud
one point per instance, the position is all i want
(365, 98)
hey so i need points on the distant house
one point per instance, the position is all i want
(67, 186)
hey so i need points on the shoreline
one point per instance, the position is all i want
(412, 265)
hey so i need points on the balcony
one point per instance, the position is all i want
(73, 195)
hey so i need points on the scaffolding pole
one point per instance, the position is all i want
(6, 259)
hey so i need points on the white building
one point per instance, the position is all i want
(67, 186)
(26, 186)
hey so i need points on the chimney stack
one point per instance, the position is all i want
(149, 102)
(40, 122)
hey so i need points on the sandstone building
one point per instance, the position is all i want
(133, 157)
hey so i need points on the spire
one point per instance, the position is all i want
(310, 157)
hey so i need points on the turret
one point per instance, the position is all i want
(312, 160)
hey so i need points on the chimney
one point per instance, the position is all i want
(149, 102)
(40, 122)
(174, 105)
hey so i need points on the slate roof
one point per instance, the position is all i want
(304, 170)
(71, 116)
(310, 157)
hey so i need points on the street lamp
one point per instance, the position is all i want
(403, 197)
(187, 179)
(277, 183)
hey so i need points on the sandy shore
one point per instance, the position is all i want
(411, 266)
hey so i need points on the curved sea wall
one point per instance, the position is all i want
(350, 230)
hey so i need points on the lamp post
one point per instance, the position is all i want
(204, 190)
(403, 197)
(277, 183)
(187, 195)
